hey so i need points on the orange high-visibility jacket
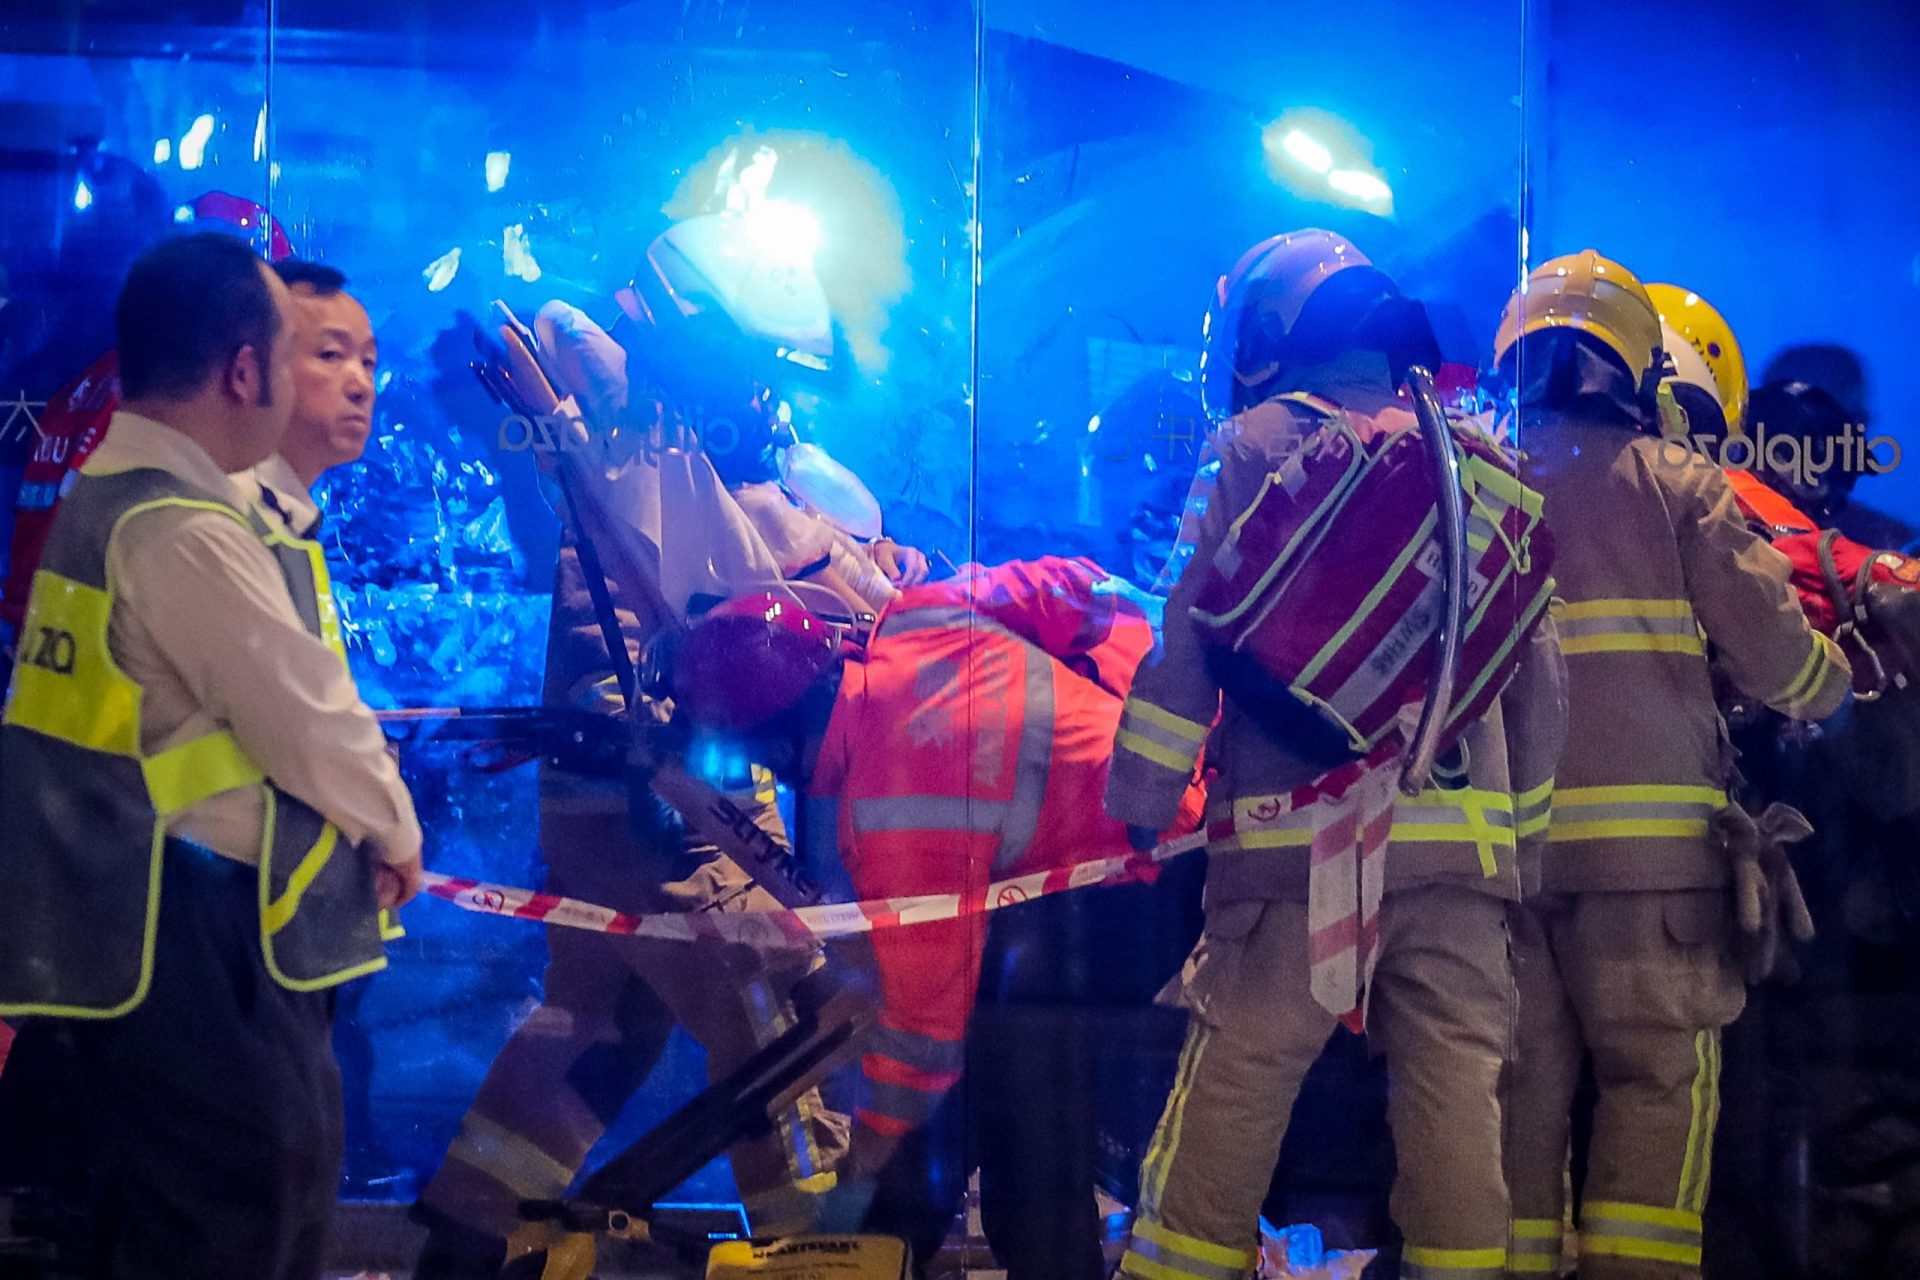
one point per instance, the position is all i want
(970, 744)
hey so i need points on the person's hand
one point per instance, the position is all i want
(395, 884)
(904, 566)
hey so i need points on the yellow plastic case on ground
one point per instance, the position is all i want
(810, 1258)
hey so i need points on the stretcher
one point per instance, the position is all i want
(618, 1202)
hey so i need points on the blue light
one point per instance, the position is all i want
(82, 196)
(1308, 150)
(1361, 185)
(498, 162)
(784, 230)
(193, 147)
(183, 213)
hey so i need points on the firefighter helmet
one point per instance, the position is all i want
(1707, 333)
(1693, 387)
(1297, 299)
(746, 662)
(1586, 293)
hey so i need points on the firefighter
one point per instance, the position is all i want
(967, 744)
(1626, 952)
(1306, 332)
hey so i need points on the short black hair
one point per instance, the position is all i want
(317, 276)
(188, 305)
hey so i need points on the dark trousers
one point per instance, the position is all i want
(210, 1115)
(1060, 979)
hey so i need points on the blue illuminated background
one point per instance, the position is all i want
(1021, 219)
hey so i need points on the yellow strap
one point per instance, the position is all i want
(1504, 485)
(279, 913)
(184, 775)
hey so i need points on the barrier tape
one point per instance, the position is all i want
(802, 926)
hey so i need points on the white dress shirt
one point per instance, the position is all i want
(202, 621)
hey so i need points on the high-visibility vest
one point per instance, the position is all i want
(87, 805)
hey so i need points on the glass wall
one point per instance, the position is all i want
(829, 293)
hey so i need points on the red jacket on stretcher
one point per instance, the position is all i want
(967, 743)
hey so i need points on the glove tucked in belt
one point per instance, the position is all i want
(1766, 892)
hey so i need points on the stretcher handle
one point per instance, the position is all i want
(1437, 707)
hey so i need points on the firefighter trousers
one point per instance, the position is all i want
(1643, 982)
(608, 1007)
(1442, 1013)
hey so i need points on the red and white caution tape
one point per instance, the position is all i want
(801, 926)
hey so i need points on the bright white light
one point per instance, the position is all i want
(516, 255)
(441, 271)
(260, 134)
(273, 172)
(1093, 424)
(183, 213)
(83, 196)
(1360, 185)
(163, 150)
(193, 147)
(1308, 150)
(498, 162)
(783, 230)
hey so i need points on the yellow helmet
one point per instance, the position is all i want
(1592, 295)
(1707, 332)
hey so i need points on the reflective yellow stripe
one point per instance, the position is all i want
(1654, 1215)
(1687, 1255)
(1534, 795)
(1191, 730)
(1543, 1263)
(1651, 828)
(66, 684)
(1147, 748)
(280, 912)
(1812, 674)
(1535, 1229)
(1503, 485)
(1166, 1135)
(391, 930)
(1147, 1269)
(1454, 1258)
(1624, 609)
(1639, 793)
(1388, 580)
(1632, 642)
(509, 1159)
(182, 776)
(1219, 1255)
